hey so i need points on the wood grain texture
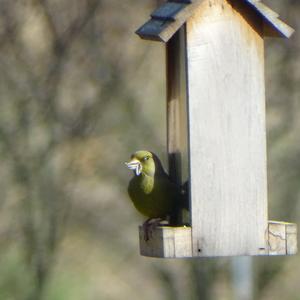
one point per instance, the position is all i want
(164, 30)
(227, 132)
(225, 88)
(277, 238)
(167, 242)
(175, 242)
(291, 239)
(151, 30)
(282, 238)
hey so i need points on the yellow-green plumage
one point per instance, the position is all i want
(151, 191)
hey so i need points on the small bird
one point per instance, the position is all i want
(152, 192)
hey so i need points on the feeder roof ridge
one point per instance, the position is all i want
(166, 20)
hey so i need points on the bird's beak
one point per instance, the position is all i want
(134, 165)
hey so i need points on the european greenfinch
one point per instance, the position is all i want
(152, 192)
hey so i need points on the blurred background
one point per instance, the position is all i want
(79, 92)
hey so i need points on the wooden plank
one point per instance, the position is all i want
(180, 19)
(175, 242)
(164, 33)
(273, 26)
(278, 28)
(291, 239)
(277, 238)
(151, 30)
(227, 135)
(161, 241)
(167, 242)
(263, 9)
(282, 238)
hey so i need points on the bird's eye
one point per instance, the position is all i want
(146, 158)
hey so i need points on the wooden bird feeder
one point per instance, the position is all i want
(216, 122)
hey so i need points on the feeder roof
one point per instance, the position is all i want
(170, 16)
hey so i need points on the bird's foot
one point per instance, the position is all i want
(148, 227)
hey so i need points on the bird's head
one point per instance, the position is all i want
(144, 162)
